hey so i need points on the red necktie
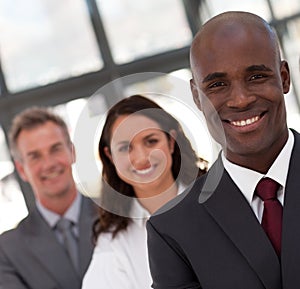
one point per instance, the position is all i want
(267, 189)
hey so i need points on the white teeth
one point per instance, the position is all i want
(51, 176)
(144, 172)
(246, 121)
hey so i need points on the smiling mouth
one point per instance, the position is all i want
(145, 171)
(245, 122)
(51, 175)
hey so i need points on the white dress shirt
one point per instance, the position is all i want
(122, 262)
(72, 214)
(247, 179)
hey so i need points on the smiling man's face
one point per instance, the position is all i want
(239, 82)
(46, 159)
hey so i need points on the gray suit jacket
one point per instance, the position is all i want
(32, 258)
(210, 237)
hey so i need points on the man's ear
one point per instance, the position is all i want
(21, 171)
(285, 76)
(108, 154)
(73, 152)
(195, 94)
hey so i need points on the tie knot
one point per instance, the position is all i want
(64, 224)
(266, 189)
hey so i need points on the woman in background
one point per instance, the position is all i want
(147, 160)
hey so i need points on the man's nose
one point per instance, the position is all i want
(240, 97)
(48, 161)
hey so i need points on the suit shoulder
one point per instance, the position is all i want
(15, 232)
(297, 137)
(89, 207)
(13, 238)
(181, 204)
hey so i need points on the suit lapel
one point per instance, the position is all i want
(43, 244)
(86, 220)
(226, 204)
(291, 222)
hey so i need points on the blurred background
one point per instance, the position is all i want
(59, 53)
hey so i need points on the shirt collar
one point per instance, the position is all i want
(71, 214)
(278, 171)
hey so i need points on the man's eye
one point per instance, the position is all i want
(33, 157)
(257, 76)
(57, 149)
(217, 84)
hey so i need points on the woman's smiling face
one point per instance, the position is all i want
(141, 151)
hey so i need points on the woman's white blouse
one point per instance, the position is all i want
(121, 262)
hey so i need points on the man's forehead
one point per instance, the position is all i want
(239, 52)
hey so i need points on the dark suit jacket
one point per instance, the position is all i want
(32, 258)
(210, 238)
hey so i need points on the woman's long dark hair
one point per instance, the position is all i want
(184, 160)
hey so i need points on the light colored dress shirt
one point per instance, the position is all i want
(122, 262)
(247, 179)
(71, 214)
